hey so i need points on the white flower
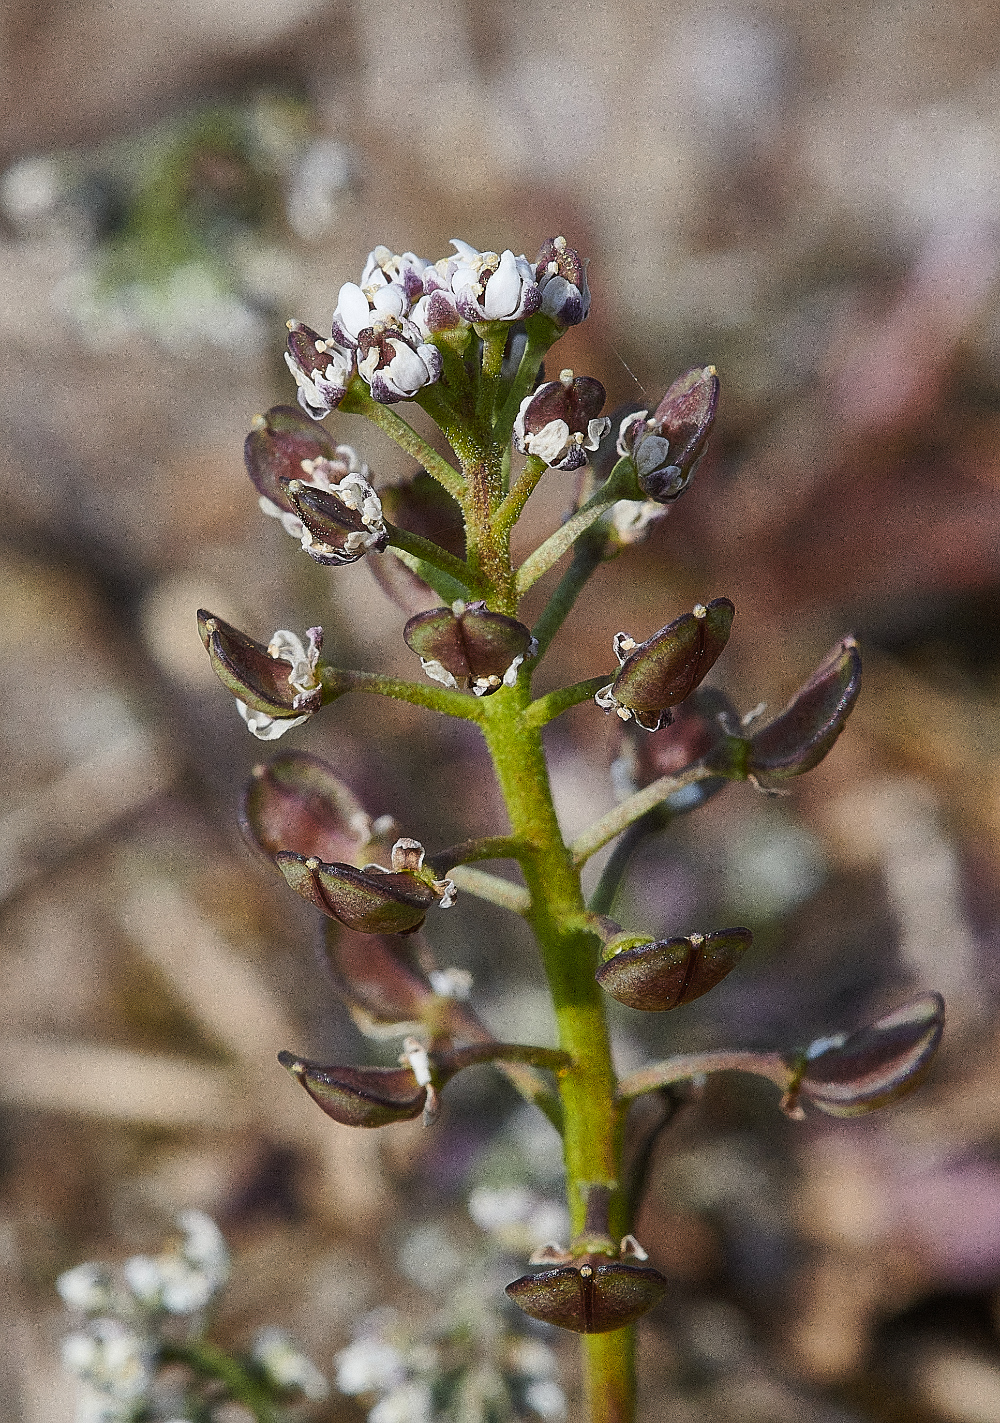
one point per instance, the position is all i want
(517, 1217)
(86, 1287)
(322, 369)
(112, 1358)
(183, 1280)
(411, 1403)
(546, 1398)
(632, 519)
(369, 1366)
(491, 287)
(395, 362)
(288, 1367)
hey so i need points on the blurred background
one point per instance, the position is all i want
(807, 198)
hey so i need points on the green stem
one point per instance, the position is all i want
(488, 847)
(502, 892)
(593, 1119)
(427, 551)
(407, 439)
(619, 819)
(699, 1064)
(541, 334)
(510, 510)
(210, 1362)
(586, 557)
(621, 484)
(339, 680)
(553, 704)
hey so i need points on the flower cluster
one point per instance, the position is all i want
(384, 326)
(150, 1313)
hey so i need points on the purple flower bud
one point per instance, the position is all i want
(660, 673)
(857, 1072)
(371, 900)
(593, 1296)
(561, 274)
(667, 447)
(558, 423)
(277, 686)
(296, 803)
(360, 1096)
(804, 731)
(395, 363)
(322, 369)
(656, 976)
(471, 644)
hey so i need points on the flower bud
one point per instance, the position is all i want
(593, 1296)
(372, 900)
(322, 369)
(468, 642)
(296, 803)
(800, 736)
(489, 286)
(667, 446)
(360, 1096)
(857, 1072)
(558, 422)
(656, 976)
(276, 687)
(561, 274)
(658, 674)
(394, 362)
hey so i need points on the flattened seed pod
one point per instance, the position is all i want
(359, 1096)
(858, 1072)
(804, 731)
(594, 1297)
(468, 643)
(658, 674)
(276, 447)
(296, 802)
(371, 900)
(661, 975)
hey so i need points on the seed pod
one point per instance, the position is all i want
(296, 803)
(360, 1096)
(277, 445)
(468, 643)
(592, 1297)
(857, 1072)
(667, 446)
(801, 735)
(656, 976)
(372, 900)
(561, 421)
(658, 674)
(376, 977)
(341, 517)
(276, 687)
(561, 274)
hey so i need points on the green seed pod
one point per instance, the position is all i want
(296, 803)
(360, 1096)
(849, 1074)
(592, 1297)
(660, 673)
(468, 643)
(802, 734)
(656, 976)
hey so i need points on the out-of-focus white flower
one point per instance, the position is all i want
(632, 519)
(518, 1218)
(410, 1403)
(546, 1398)
(532, 1359)
(86, 1288)
(286, 1366)
(183, 1280)
(369, 1365)
(111, 1358)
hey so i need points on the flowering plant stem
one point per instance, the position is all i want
(208, 1361)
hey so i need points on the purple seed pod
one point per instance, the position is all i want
(276, 687)
(276, 446)
(377, 978)
(296, 803)
(335, 513)
(658, 674)
(360, 1096)
(667, 446)
(853, 1073)
(371, 900)
(593, 1296)
(654, 977)
(561, 274)
(322, 369)
(468, 643)
(559, 422)
(804, 731)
